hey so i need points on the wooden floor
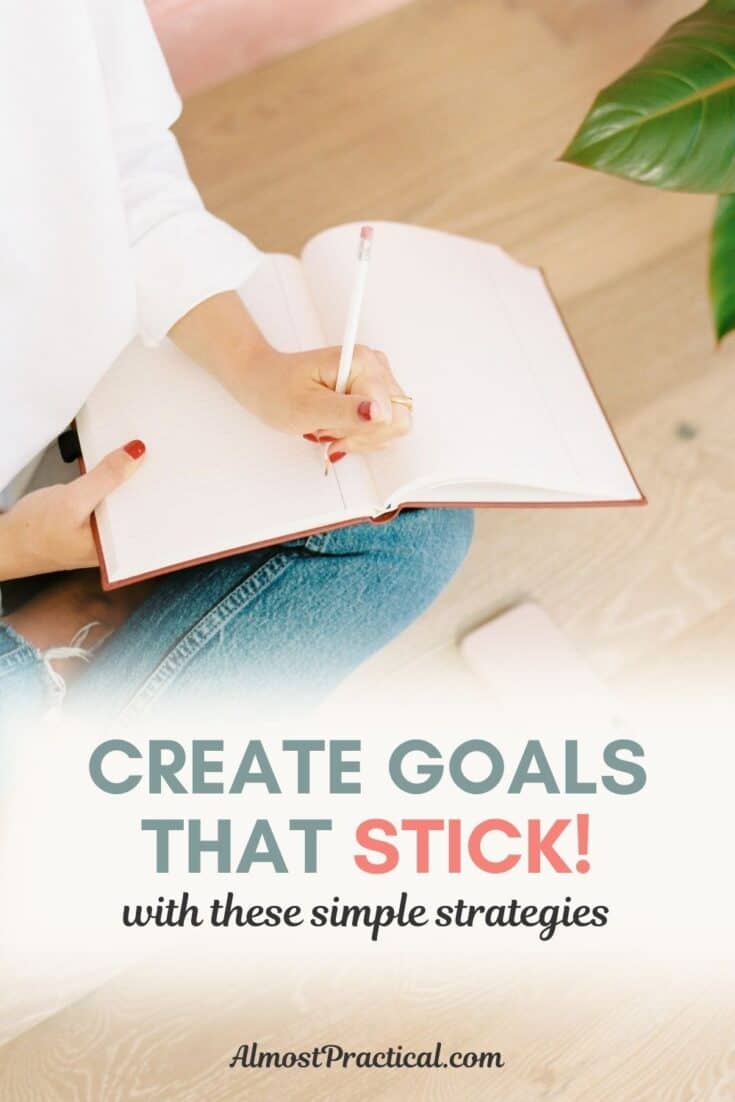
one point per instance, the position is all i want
(562, 1041)
(451, 113)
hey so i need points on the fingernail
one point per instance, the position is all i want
(311, 436)
(135, 448)
(365, 411)
(327, 439)
(334, 457)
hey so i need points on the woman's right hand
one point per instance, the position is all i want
(50, 529)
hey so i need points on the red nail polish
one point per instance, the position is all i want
(311, 436)
(327, 439)
(135, 448)
(334, 457)
(364, 411)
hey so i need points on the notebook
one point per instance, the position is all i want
(504, 412)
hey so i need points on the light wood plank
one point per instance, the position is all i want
(160, 1038)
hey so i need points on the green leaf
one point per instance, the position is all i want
(722, 267)
(670, 120)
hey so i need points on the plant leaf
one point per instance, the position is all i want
(670, 120)
(722, 267)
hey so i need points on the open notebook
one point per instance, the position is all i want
(504, 412)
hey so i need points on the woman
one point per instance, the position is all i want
(104, 239)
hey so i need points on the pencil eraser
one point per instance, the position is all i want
(366, 233)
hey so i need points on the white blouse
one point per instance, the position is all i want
(103, 236)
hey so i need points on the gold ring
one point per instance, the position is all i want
(402, 400)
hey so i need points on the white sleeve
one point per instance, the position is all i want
(182, 254)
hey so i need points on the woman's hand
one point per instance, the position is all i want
(294, 392)
(50, 529)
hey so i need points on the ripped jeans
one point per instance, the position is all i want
(275, 628)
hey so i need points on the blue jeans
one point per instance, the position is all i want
(273, 628)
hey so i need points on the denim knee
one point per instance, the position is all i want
(417, 552)
(434, 542)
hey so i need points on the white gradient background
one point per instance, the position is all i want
(71, 855)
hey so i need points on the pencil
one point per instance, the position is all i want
(352, 321)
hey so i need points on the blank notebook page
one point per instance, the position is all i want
(475, 338)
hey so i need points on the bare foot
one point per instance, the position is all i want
(57, 614)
